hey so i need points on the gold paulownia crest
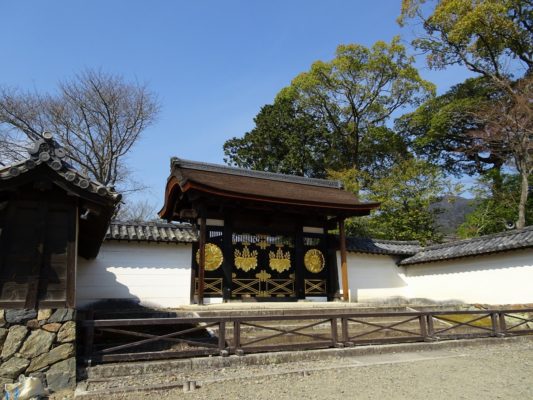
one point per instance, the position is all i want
(314, 261)
(280, 261)
(213, 257)
(246, 259)
(263, 276)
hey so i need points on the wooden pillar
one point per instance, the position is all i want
(344, 262)
(332, 285)
(227, 265)
(72, 256)
(201, 264)
(299, 284)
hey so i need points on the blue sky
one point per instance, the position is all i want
(213, 64)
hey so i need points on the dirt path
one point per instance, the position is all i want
(492, 372)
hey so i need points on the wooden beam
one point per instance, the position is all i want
(201, 264)
(344, 262)
(38, 280)
(227, 265)
(72, 258)
(299, 284)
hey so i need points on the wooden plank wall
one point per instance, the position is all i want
(37, 245)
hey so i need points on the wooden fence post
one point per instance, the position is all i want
(495, 326)
(88, 337)
(334, 333)
(222, 338)
(422, 319)
(503, 325)
(430, 328)
(345, 333)
(237, 338)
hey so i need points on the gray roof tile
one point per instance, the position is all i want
(510, 240)
(415, 253)
(47, 151)
(379, 246)
(151, 232)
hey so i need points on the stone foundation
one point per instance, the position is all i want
(38, 343)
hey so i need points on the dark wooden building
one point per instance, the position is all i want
(264, 235)
(49, 213)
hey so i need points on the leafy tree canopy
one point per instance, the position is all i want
(442, 130)
(405, 194)
(356, 92)
(284, 140)
(494, 212)
(483, 35)
(334, 116)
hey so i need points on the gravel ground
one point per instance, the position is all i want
(492, 372)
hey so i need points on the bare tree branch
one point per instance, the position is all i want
(97, 117)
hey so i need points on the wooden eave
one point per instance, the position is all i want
(176, 187)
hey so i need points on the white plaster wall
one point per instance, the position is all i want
(156, 274)
(500, 278)
(373, 278)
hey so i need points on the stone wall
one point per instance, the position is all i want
(38, 343)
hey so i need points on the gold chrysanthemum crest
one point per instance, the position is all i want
(213, 257)
(314, 261)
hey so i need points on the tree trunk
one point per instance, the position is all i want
(497, 180)
(523, 200)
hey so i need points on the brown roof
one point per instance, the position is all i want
(262, 186)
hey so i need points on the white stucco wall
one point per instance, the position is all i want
(157, 275)
(373, 278)
(500, 278)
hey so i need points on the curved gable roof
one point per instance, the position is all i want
(260, 186)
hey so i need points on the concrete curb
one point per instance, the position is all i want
(155, 367)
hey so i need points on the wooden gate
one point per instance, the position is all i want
(214, 262)
(263, 266)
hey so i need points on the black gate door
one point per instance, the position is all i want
(214, 259)
(263, 266)
(316, 271)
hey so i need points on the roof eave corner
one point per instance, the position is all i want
(174, 162)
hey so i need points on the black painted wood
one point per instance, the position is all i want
(227, 265)
(299, 262)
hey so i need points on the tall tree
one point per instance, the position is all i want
(406, 194)
(508, 124)
(442, 130)
(494, 212)
(493, 38)
(486, 36)
(284, 140)
(97, 117)
(356, 93)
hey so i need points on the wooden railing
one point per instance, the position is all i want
(225, 335)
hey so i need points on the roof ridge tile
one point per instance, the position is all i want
(203, 166)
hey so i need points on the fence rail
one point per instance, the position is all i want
(186, 337)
